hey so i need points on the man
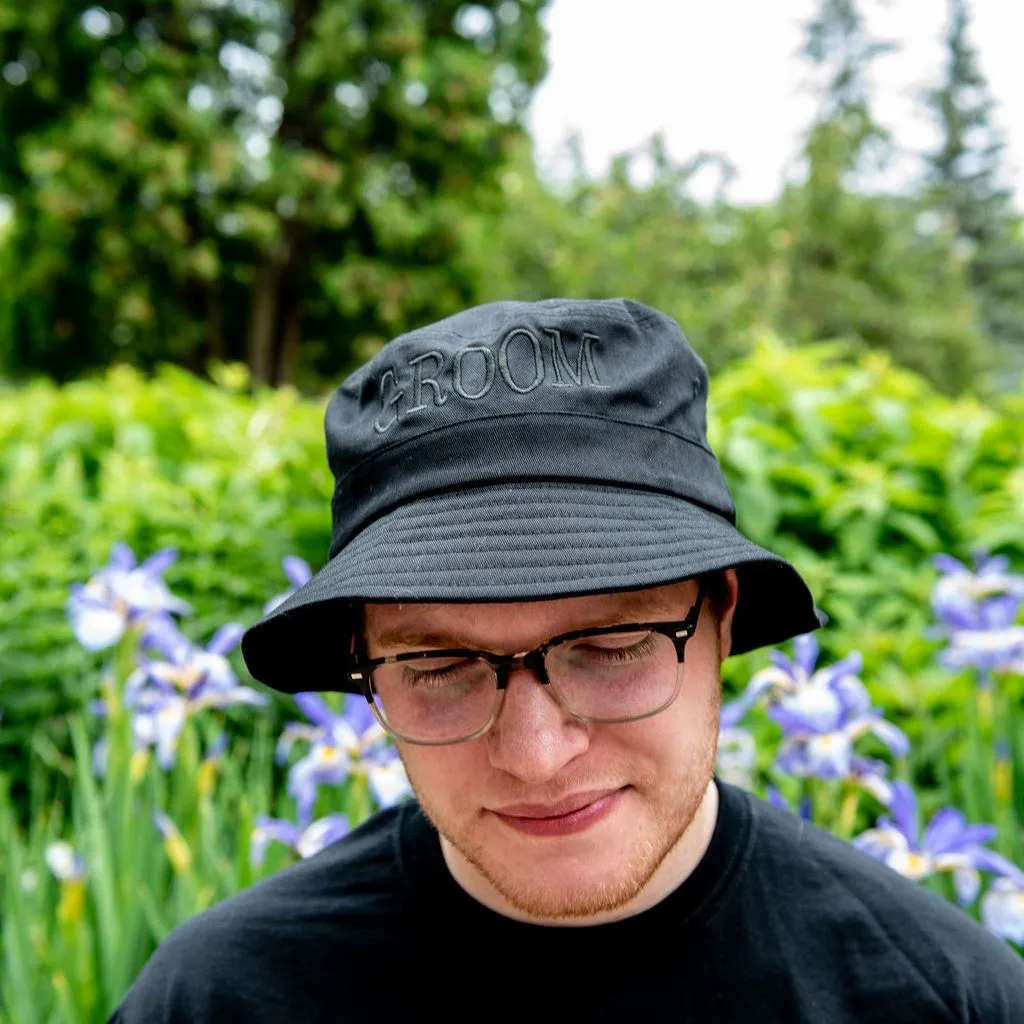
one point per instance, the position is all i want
(533, 578)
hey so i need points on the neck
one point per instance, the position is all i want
(677, 866)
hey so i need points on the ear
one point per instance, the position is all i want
(726, 614)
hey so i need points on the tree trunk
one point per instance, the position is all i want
(215, 323)
(291, 339)
(263, 321)
(275, 324)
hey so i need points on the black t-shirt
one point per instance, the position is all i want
(778, 922)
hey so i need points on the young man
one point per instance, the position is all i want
(534, 576)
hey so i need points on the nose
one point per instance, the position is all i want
(533, 738)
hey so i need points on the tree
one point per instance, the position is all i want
(858, 266)
(968, 187)
(279, 181)
(844, 135)
(653, 242)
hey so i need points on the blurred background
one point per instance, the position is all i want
(211, 211)
(288, 185)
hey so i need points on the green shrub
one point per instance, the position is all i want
(234, 481)
(854, 469)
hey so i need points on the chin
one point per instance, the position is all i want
(576, 876)
(575, 893)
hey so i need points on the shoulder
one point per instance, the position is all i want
(274, 936)
(863, 912)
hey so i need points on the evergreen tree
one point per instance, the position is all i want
(968, 186)
(845, 135)
(857, 269)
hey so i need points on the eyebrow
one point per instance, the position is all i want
(408, 637)
(414, 639)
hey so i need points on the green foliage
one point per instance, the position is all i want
(859, 473)
(236, 482)
(290, 185)
(275, 182)
(823, 262)
(840, 49)
(72, 947)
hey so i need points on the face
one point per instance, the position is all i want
(640, 783)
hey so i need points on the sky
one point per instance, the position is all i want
(724, 75)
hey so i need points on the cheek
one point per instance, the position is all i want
(688, 727)
(445, 777)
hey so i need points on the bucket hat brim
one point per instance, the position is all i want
(520, 542)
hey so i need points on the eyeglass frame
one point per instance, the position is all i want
(361, 668)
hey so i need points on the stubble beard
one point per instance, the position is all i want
(673, 803)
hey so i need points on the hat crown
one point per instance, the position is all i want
(606, 391)
(601, 357)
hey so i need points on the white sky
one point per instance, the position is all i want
(723, 75)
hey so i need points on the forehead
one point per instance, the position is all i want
(518, 623)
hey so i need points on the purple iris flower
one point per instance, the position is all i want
(188, 669)
(163, 694)
(822, 712)
(340, 745)
(1002, 906)
(977, 613)
(793, 682)
(304, 841)
(947, 843)
(121, 595)
(298, 573)
(820, 736)
(157, 722)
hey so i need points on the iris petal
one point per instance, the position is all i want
(892, 736)
(267, 830)
(359, 714)
(967, 884)
(321, 834)
(1002, 910)
(880, 842)
(315, 708)
(903, 808)
(944, 831)
(851, 665)
(96, 627)
(297, 570)
(805, 652)
(226, 638)
(388, 782)
(122, 556)
(159, 562)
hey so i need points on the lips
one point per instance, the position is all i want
(568, 805)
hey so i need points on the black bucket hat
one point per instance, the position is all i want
(520, 451)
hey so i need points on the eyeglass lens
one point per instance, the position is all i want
(610, 677)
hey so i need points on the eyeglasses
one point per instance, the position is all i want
(608, 674)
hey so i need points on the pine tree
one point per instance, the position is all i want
(855, 267)
(968, 186)
(844, 134)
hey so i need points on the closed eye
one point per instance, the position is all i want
(615, 648)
